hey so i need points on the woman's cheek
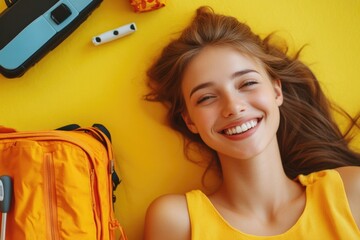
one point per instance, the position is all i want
(204, 118)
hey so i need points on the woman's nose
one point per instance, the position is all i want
(233, 105)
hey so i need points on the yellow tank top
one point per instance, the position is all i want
(326, 215)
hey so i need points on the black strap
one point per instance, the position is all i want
(9, 3)
(103, 129)
(69, 127)
(115, 182)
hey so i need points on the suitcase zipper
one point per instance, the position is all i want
(50, 198)
(94, 204)
(113, 222)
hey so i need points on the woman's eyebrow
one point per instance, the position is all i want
(234, 75)
(200, 86)
(242, 72)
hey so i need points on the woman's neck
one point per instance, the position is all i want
(256, 196)
(257, 182)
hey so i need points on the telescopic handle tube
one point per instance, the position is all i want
(5, 193)
(5, 201)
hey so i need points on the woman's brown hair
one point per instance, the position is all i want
(309, 138)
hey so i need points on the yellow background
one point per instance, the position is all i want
(80, 83)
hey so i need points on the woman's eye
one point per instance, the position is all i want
(204, 99)
(249, 83)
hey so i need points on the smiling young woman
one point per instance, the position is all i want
(286, 167)
(226, 93)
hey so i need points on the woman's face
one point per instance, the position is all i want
(231, 102)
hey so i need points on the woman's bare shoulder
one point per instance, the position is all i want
(351, 179)
(167, 217)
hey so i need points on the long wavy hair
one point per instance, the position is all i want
(309, 138)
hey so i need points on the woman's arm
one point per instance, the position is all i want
(167, 218)
(351, 179)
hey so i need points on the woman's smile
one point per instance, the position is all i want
(239, 129)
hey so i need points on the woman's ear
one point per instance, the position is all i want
(189, 123)
(278, 92)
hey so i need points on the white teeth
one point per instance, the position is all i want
(240, 129)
